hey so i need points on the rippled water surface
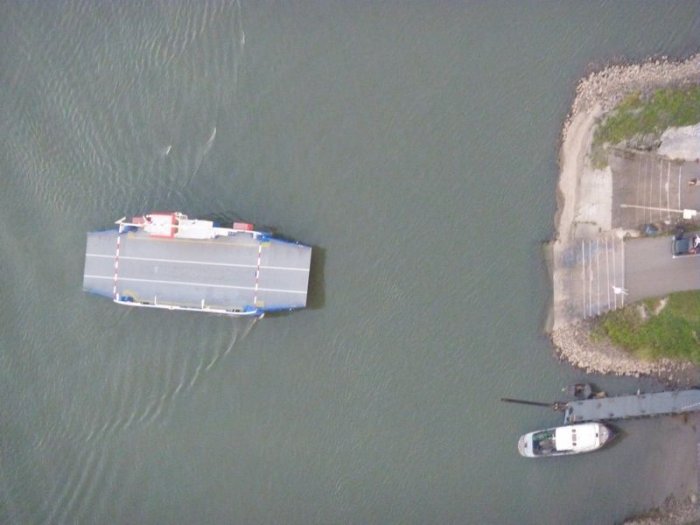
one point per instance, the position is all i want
(415, 147)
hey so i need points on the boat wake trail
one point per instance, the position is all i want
(147, 387)
(249, 323)
(141, 390)
(241, 43)
(200, 157)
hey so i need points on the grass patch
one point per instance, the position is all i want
(673, 333)
(651, 115)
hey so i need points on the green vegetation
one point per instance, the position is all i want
(651, 331)
(637, 115)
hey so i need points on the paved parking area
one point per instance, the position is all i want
(650, 271)
(599, 271)
(605, 273)
(647, 187)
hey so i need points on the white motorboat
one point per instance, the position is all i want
(565, 440)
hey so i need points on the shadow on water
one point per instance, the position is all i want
(224, 217)
(317, 284)
(620, 435)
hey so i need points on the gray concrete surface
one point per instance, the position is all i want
(650, 271)
(594, 268)
(632, 406)
(598, 271)
(653, 185)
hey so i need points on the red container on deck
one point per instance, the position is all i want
(243, 226)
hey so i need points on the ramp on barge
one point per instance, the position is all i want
(625, 407)
(235, 273)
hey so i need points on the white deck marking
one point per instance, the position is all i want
(257, 276)
(116, 266)
(205, 285)
(204, 263)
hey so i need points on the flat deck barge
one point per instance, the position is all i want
(625, 407)
(166, 260)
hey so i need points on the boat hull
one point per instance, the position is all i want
(566, 440)
(174, 263)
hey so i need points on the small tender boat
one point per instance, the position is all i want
(565, 440)
(579, 390)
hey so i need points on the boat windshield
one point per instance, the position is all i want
(543, 442)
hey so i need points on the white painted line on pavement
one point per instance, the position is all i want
(622, 253)
(668, 191)
(583, 276)
(660, 169)
(639, 187)
(597, 269)
(614, 269)
(607, 268)
(590, 280)
(650, 173)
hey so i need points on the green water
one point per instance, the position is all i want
(415, 146)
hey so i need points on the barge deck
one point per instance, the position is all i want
(632, 406)
(167, 260)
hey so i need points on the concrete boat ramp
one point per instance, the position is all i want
(166, 260)
(632, 406)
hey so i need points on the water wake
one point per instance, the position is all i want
(136, 407)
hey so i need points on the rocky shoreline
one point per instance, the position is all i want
(576, 345)
(672, 512)
(597, 94)
(607, 87)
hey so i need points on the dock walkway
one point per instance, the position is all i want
(625, 407)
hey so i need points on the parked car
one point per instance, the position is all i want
(685, 243)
